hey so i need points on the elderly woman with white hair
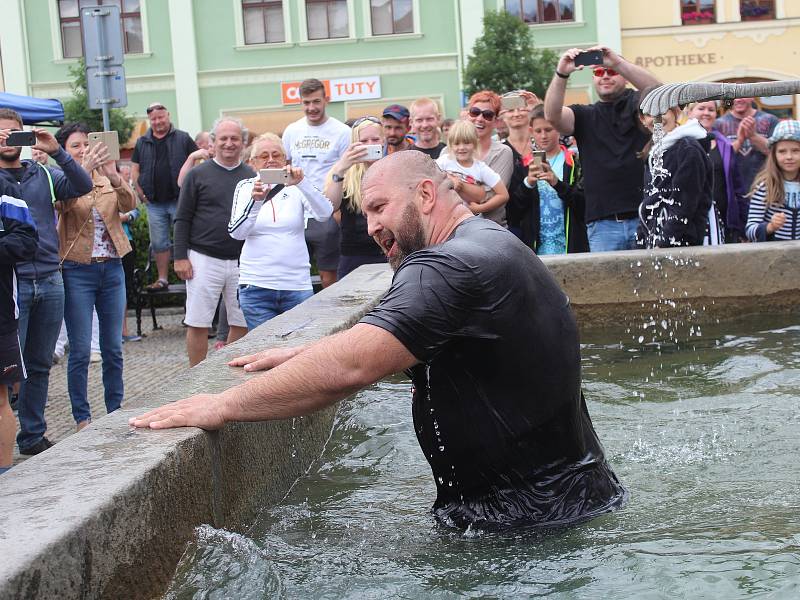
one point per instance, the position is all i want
(274, 267)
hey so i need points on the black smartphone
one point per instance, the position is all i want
(585, 59)
(21, 138)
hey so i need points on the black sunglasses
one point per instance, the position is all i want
(489, 115)
(156, 107)
(360, 120)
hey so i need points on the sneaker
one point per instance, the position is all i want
(131, 338)
(39, 447)
(95, 357)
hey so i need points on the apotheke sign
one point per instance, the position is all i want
(338, 90)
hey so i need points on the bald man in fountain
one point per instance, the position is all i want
(491, 346)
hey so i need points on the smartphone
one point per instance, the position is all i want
(21, 138)
(512, 101)
(374, 152)
(594, 57)
(539, 156)
(273, 176)
(109, 138)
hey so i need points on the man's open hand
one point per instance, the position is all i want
(203, 410)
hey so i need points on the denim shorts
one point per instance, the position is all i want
(160, 217)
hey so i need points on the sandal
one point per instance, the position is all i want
(158, 286)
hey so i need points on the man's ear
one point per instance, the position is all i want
(427, 195)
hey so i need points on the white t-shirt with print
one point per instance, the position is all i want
(479, 170)
(315, 148)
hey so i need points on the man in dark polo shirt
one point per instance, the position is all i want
(608, 137)
(155, 165)
(490, 343)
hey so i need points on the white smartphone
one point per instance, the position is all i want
(539, 156)
(109, 138)
(512, 101)
(273, 176)
(374, 152)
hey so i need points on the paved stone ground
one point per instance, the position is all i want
(148, 365)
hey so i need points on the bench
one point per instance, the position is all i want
(143, 296)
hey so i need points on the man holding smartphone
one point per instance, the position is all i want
(609, 138)
(40, 289)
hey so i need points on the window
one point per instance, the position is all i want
(757, 10)
(327, 19)
(392, 16)
(542, 11)
(697, 12)
(70, 20)
(263, 22)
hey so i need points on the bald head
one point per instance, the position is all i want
(405, 169)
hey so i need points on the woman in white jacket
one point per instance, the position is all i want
(274, 266)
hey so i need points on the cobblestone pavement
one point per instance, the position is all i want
(150, 363)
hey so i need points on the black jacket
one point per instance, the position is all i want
(675, 213)
(522, 209)
(18, 241)
(179, 146)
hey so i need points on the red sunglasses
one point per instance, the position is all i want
(602, 71)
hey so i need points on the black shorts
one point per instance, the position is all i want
(12, 369)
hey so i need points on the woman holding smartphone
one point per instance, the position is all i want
(92, 243)
(274, 267)
(343, 184)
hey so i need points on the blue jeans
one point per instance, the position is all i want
(41, 309)
(261, 304)
(608, 235)
(160, 217)
(101, 286)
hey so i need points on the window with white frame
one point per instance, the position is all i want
(69, 15)
(542, 11)
(263, 22)
(392, 16)
(327, 19)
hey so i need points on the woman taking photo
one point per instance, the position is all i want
(274, 266)
(92, 243)
(343, 184)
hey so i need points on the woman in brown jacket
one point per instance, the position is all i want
(92, 244)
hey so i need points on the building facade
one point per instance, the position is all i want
(204, 58)
(717, 40)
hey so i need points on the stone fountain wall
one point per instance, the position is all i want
(107, 513)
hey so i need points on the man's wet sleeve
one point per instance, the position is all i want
(428, 304)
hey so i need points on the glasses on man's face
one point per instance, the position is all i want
(476, 112)
(359, 121)
(603, 71)
(156, 107)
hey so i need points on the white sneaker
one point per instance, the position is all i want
(96, 357)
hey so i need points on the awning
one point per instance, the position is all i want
(34, 111)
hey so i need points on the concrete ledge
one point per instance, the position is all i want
(107, 513)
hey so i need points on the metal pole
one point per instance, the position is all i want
(102, 67)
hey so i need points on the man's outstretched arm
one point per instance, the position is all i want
(320, 375)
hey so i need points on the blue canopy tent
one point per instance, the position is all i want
(34, 111)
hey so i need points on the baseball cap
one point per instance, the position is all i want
(785, 130)
(396, 111)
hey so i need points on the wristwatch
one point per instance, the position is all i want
(337, 178)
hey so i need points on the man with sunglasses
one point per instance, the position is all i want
(155, 166)
(609, 138)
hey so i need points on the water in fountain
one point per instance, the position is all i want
(709, 458)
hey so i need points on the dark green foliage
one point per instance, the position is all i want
(77, 108)
(504, 58)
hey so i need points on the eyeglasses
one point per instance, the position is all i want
(476, 112)
(602, 71)
(155, 107)
(359, 121)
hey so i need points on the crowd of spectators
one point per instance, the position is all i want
(242, 220)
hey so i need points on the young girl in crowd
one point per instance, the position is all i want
(461, 161)
(549, 203)
(775, 197)
(676, 205)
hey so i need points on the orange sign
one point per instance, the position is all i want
(338, 90)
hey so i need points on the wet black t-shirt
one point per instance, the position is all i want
(498, 408)
(432, 152)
